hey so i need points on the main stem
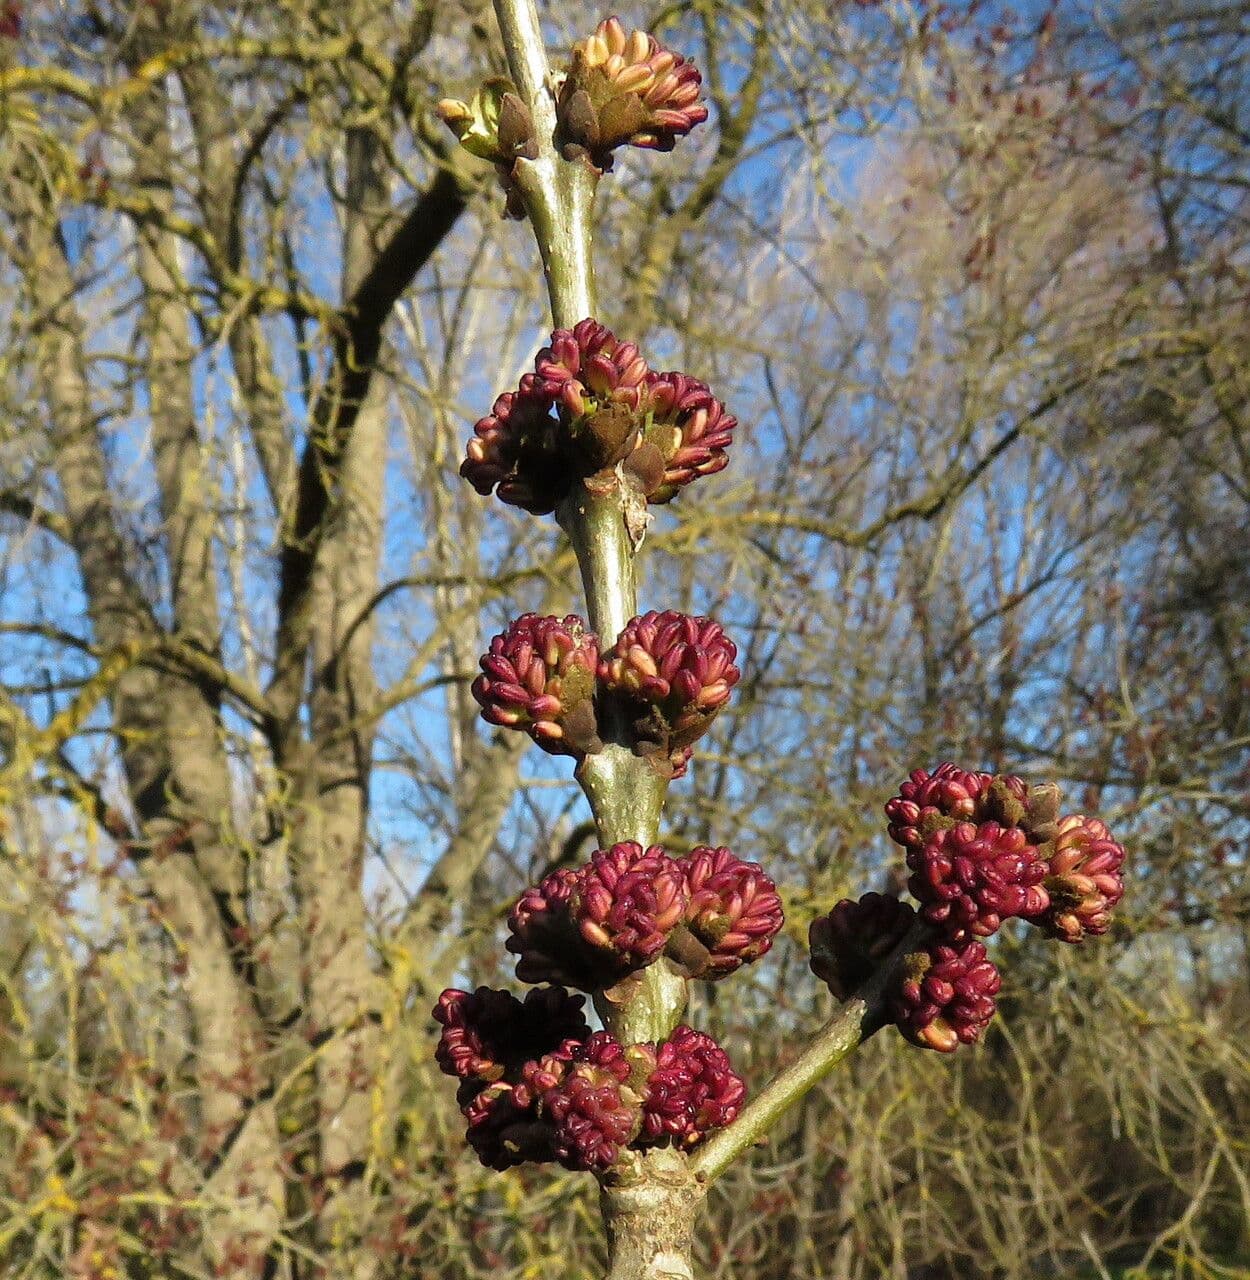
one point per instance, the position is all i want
(626, 795)
(649, 1206)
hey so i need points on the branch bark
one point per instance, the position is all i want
(649, 1210)
(858, 1019)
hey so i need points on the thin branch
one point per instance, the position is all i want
(24, 508)
(858, 1019)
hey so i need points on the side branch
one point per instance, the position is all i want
(859, 1018)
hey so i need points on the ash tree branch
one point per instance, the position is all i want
(859, 1018)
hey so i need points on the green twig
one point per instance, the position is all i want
(626, 795)
(858, 1018)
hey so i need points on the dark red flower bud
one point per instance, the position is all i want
(590, 404)
(675, 673)
(517, 451)
(931, 802)
(592, 1107)
(587, 367)
(503, 1132)
(1084, 881)
(489, 1035)
(626, 89)
(629, 901)
(692, 1091)
(689, 429)
(539, 676)
(850, 942)
(595, 926)
(947, 996)
(732, 909)
(928, 801)
(543, 934)
(971, 878)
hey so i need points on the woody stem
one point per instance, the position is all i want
(625, 794)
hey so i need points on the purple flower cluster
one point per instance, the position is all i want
(517, 452)
(981, 849)
(689, 429)
(592, 927)
(488, 1035)
(1084, 880)
(947, 995)
(927, 801)
(591, 403)
(671, 672)
(971, 878)
(539, 675)
(587, 368)
(578, 1102)
(732, 913)
(591, 1102)
(692, 1090)
(626, 89)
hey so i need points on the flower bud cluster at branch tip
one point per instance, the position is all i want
(621, 89)
(539, 675)
(670, 673)
(673, 673)
(626, 89)
(982, 849)
(592, 405)
(579, 1102)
